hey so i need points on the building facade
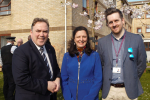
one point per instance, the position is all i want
(139, 25)
(16, 17)
(127, 18)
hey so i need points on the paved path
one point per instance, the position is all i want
(148, 67)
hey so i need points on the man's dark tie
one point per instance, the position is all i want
(45, 59)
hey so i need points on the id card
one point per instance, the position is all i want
(116, 70)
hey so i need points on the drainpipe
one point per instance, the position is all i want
(65, 26)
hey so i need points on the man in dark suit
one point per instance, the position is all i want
(35, 69)
(6, 55)
(123, 58)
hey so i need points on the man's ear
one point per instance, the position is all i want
(31, 32)
(123, 21)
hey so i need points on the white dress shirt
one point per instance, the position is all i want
(46, 54)
(12, 48)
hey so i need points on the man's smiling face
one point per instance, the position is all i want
(115, 23)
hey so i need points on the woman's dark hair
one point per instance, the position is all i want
(72, 47)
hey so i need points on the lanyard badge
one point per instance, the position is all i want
(116, 70)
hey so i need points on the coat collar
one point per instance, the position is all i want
(84, 56)
(109, 47)
(126, 45)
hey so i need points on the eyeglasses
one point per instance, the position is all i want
(130, 50)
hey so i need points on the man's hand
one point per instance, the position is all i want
(51, 86)
(57, 82)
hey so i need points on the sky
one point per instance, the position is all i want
(134, 0)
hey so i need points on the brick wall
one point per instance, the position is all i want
(137, 23)
(23, 12)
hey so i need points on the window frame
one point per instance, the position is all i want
(146, 29)
(147, 46)
(87, 5)
(1, 11)
(147, 17)
(3, 35)
(140, 17)
(139, 28)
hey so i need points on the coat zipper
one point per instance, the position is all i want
(78, 80)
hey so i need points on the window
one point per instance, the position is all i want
(96, 9)
(147, 29)
(139, 30)
(5, 7)
(139, 17)
(147, 46)
(85, 5)
(147, 15)
(3, 39)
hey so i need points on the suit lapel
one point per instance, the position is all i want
(34, 48)
(126, 45)
(109, 47)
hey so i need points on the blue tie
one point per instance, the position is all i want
(45, 59)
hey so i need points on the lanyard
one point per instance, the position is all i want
(118, 50)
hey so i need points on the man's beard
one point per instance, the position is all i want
(118, 32)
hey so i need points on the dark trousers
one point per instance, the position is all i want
(53, 96)
(9, 84)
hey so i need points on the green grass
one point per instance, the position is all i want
(1, 86)
(145, 81)
(148, 64)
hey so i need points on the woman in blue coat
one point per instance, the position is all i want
(81, 70)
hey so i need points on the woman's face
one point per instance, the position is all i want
(80, 39)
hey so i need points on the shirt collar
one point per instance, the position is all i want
(38, 47)
(115, 37)
(8, 44)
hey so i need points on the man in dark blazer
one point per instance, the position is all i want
(123, 58)
(36, 72)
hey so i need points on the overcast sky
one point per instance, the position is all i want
(134, 0)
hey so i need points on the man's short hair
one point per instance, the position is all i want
(110, 11)
(39, 20)
(20, 40)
